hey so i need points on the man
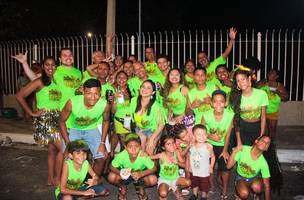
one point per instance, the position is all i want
(203, 59)
(85, 113)
(67, 77)
(150, 64)
(140, 76)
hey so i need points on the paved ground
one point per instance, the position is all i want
(23, 167)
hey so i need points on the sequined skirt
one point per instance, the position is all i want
(46, 128)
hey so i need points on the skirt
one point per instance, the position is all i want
(46, 128)
(249, 132)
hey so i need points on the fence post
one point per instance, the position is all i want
(259, 50)
(132, 45)
(35, 51)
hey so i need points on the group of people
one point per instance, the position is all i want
(172, 125)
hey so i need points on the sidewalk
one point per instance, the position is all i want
(289, 141)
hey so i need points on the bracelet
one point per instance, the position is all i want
(102, 143)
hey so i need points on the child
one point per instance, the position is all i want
(183, 138)
(170, 160)
(132, 165)
(74, 172)
(198, 162)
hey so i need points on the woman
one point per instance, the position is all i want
(176, 96)
(252, 169)
(249, 105)
(121, 109)
(189, 77)
(46, 128)
(148, 116)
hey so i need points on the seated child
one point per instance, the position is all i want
(183, 138)
(198, 162)
(74, 172)
(169, 161)
(132, 166)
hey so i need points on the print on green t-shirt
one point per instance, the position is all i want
(251, 107)
(273, 98)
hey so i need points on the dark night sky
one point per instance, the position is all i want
(31, 18)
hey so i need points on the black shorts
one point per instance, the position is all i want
(221, 164)
(249, 132)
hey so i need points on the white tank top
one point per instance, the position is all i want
(200, 160)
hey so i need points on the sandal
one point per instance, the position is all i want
(224, 197)
(105, 193)
(122, 195)
(142, 196)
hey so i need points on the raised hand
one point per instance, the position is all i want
(232, 33)
(22, 58)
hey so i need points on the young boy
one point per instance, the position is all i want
(74, 172)
(132, 166)
(198, 162)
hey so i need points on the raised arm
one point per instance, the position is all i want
(22, 58)
(232, 35)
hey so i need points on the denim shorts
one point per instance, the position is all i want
(97, 188)
(146, 132)
(248, 180)
(92, 137)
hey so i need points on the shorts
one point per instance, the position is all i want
(92, 137)
(249, 132)
(171, 183)
(137, 183)
(119, 126)
(146, 132)
(97, 188)
(201, 182)
(272, 116)
(221, 164)
(248, 180)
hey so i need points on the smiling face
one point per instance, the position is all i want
(103, 70)
(218, 103)
(150, 54)
(121, 79)
(222, 73)
(200, 135)
(190, 67)
(200, 77)
(272, 75)
(263, 143)
(174, 76)
(91, 96)
(243, 81)
(98, 56)
(146, 89)
(66, 57)
(49, 66)
(170, 145)
(203, 59)
(140, 70)
(78, 157)
(128, 68)
(163, 64)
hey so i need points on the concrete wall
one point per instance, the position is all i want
(291, 113)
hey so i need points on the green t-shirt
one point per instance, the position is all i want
(75, 178)
(151, 122)
(168, 171)
(152, 68)
(201, 94)
(83, 119)
(104, 88)
(86, 76)
(49, 97)
(177, 102)
(189, 82)
(273, 98)
(68, 80)
(249, 168)
(134, 85)
(211, 76)
(251, 107)
(122, 161)
(220, 126)
(122, 108)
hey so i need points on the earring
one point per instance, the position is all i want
(151, 97)
(237, 87)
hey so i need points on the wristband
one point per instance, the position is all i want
(102, 143)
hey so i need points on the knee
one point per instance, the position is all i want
(163, 193)
(188, 183)
(67, 197)
(151, 180)
(113, 178)
(256, 188)
(243, 194)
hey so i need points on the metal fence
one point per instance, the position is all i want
(277, 49)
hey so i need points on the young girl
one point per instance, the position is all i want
(132, 166)
(219, 124)
(200, 95)
(169, 161)
(183, 138)
(148, 116)
(175, 96)
(200, 162)
(74, 172)
(46, 126)
(121, 109)
(189, 77)
(252, 169)
(276, 93)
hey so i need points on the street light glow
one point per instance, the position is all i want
(89, 34)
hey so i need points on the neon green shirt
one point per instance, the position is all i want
(189, 82)
(83, 119)
(152, 68)
(151, 122)
(211, 76)
(86, 76)
(49, 97)
(220, 126)
(177, 102)
(249, 168)
(104, 88)
(274, 100)
(251, 107)
(122, 161)
(200, 95)
(75, 178)
(68, 80)
(168, 171)
(134, 85)
(122, 109)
